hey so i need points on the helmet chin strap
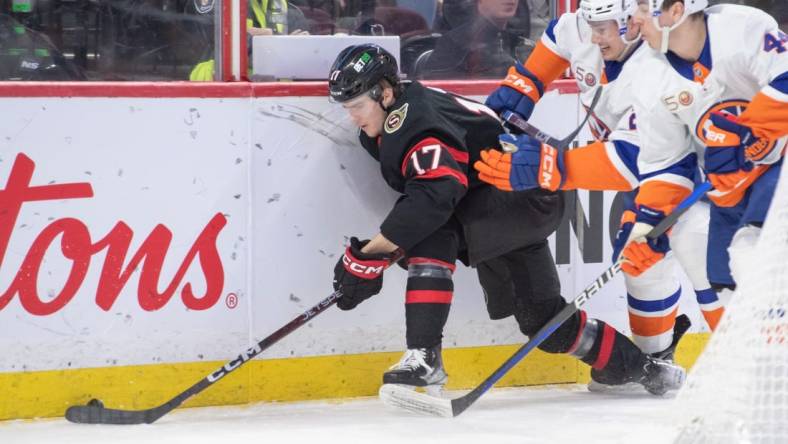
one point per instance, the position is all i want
(663, 47)
(629, 42)
(629, 46)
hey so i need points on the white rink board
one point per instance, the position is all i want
(291, 182)
(175, 162)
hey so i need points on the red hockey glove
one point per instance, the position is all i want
(359, 275)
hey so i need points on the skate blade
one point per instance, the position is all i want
(406, 398)
(630, 388)
(435, 390)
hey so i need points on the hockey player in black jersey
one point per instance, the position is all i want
(425, 141)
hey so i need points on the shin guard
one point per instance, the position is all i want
(427, 301)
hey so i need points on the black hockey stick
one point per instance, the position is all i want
(521, 124)
(95, 413)
(408, 399)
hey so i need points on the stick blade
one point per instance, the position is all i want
(91, 414)
(407, 399)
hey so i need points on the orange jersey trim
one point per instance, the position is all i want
(767, 117)
(545, 64)
(628, 216)
(521, 84)
(713, 317)
(661, 196)
(732, 197)
(651, 326)
(589, 168)
(700, 72)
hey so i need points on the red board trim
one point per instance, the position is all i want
(226, 90)
(227, 41)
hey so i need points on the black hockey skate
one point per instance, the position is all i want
(661, 376)
(419, 367)
(598, 383)
(657, 376)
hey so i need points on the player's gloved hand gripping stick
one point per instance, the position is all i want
(533, 160)
(96, 413)
(519, 123)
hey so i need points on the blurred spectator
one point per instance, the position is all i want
(483, 47)
(426, 8)
(454, 13)
(540, 15)
(268, 17)
(320, 14)
(393, 20)
(26, 54)
(265, 17)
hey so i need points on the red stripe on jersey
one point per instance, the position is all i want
(608, 337)
(443, 171)
(428, 297)
(579, 332)
(459, 156)
(428, 260)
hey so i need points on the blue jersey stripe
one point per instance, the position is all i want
(550, 31)
(706, 296)
(686, 167)
(780, 83)
(654, 306)
(628, 153)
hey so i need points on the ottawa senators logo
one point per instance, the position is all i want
(396, 118)
(705, 128)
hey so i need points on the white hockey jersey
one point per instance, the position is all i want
(744, 60)
(610, 163)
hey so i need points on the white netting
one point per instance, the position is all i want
(738, 390)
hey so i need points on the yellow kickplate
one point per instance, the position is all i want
(49, 393)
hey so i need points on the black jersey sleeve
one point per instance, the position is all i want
(436, 179)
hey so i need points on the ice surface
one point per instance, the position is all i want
(551, 414)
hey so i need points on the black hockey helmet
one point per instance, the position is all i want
(359, 69)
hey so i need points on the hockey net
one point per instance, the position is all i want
(738, 390)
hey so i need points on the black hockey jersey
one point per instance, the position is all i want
(429, 142)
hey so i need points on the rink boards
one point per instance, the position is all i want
(149, 236)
